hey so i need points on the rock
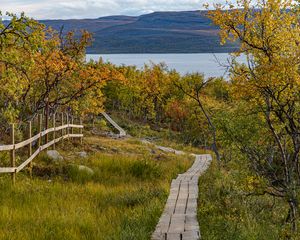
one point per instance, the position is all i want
(145, 141)
(170, 150)
(86, 169)
(115, 150)
(179, 152)
(102, 148)
(82, 154)
(152, 151)
(165, 149)
(54, 155)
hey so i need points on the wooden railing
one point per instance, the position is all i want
(122, 132)
(64, 134)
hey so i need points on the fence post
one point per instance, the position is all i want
(72, 129)
(30, 147)
(40, 128)
(81, 138)
(13, 153)
(62, 123)
(68, 130)
(46, 119)
(54, 122)
(72, 122)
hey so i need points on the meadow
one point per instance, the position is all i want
(123, 199)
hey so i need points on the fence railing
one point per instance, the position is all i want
(122, 132)
(65, 133)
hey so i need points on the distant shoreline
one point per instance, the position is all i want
(157, 53)
(207, 63)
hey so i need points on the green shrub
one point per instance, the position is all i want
(145, 169)
(227, 212)
(77, 175)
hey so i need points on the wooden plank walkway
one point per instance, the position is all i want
(179, 219)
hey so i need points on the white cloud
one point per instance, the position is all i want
(66, 9)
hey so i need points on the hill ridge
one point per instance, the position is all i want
(157, 32)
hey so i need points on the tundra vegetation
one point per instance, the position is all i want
(250, 121)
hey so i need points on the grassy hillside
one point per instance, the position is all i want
(123, 199)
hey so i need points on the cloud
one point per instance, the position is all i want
(66, 9)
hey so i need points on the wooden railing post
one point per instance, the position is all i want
(72, 129)
(81, 138)
(30, 147)
(62, 123)
(40, 128)
(68, 130)
(13, 153)
(72, 122)
(47, 116)
(54, 122)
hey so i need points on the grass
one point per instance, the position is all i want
(125, 196)
(226, 212)
(123, 199)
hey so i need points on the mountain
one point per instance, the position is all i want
(158, 32)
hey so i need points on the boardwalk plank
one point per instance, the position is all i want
(179, 219)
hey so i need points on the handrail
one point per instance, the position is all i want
(36, 137)
(122, 132)
(64, 135)
(54, 129)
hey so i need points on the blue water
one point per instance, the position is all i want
(212, 65)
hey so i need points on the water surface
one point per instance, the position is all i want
(212, 65)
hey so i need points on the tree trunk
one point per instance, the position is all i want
(293, 214)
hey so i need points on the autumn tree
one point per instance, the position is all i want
(61, 77)
(43, 70)
(269, 84)
(144, 94)
(20, 40)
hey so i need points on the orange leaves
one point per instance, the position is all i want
(176, 110)
(39, 67)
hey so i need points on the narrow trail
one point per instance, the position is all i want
(179, 219)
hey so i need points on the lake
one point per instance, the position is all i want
(208, 63)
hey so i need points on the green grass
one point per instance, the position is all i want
(123, 199)
(226, 212)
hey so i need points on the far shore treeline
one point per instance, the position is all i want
(251, 122)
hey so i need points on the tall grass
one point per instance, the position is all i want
(226, 212)
(123, 199)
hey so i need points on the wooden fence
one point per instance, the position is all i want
(65, 129)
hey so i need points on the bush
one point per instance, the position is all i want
(77, 175)
(145, 169)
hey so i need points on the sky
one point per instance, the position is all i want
(67, 9)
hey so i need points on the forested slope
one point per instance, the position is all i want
(158, 32)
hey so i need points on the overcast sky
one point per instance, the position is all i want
(66, 9)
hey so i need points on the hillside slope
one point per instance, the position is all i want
(158, 32)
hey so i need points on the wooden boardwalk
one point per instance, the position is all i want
(179, 219)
